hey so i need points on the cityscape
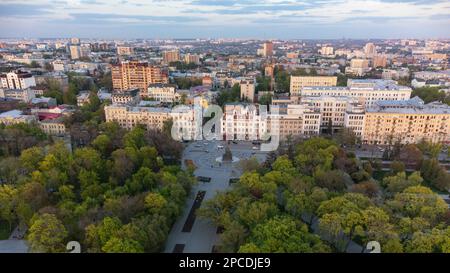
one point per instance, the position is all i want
(260, 140)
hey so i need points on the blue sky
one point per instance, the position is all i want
(285, 19)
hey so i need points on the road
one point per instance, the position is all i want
(202, 236)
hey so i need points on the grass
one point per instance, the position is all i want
(4, 230)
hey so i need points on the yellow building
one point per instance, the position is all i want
(298, 82)
(411, 121)
(133, 74)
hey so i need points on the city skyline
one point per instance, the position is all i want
(267, 19)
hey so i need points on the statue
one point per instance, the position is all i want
(227, 156)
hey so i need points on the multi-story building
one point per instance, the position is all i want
(379, 61)
(171, 56)
(77, 51)
(125, 50)
(17, 80)
(298, 82)
(299, 120)
(133, 74)
(248, 90)
(126, 97)
(191, 58)
(83, 98)
(129, 116)
(326, 50)
(54, 127)
(25, 95)
(242, 121)
(331, 109)
(358, 67)
(268, 49)
(162, 92)
(366, 91)
(410, 121)
(370, 49)
(354, 118)
(15, 117)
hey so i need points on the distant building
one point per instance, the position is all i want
(133, 74)
(358, 67)
(131, 96)
(367, 91)
(171, 56)
(125, 50)
(162, 92)
(207, 81)
(268, 49)
(24, 95)
(379, 61)
(248, 90)
(370, 49)
(326, 50)
(77, 51)
(17, 80)
(83, 98)
(192, 58)
(15, 117)
(298, 82)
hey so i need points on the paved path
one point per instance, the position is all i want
(203, 235)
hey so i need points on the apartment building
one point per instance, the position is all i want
(192, 58)
(354, 118)
(133, 74)
(331, 109)
(125, 50)
(25, 95)
(17, 80)
(247, 90)
(268, 49)
(358, 67)
(126, 97)
(162, 92)
(129, 116)
(153, 118)
(298, 82)
(410, 121)
(299, 120)
(171, 56)
(367, 91)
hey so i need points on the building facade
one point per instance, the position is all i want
(17, 80)
(298, 82)
(366, 92)
(411, 121)
(133, 74)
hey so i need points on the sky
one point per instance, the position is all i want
(263, 19)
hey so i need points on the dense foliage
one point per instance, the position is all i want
(318, 198)
(114, 195)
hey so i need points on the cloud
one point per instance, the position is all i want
(197, 17)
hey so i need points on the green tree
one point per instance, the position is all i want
(283, 234)
(47, 234)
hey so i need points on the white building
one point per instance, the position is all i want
(366, 91)
(25, 95)
(331, 109)
(162, 92)
(17, 80)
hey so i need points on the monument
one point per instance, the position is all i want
(227, 156)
